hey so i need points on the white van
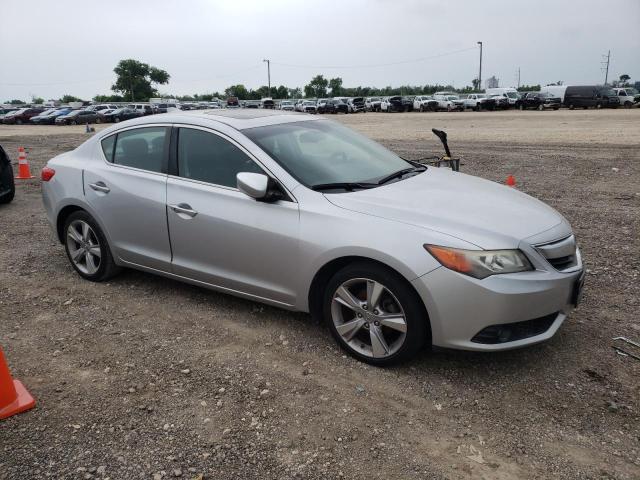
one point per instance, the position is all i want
(555, 91)
(509, 93)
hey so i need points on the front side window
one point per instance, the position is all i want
(208, 157)
(321, 152)
(142, 148)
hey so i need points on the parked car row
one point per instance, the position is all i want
(550, 97)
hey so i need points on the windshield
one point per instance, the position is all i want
(631, 91)
(453, 97)
(512, 95)
(608, 92)
(320, 152)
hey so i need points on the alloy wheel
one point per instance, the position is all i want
(369, 318)
(84, 247)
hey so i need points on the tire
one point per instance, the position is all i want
(521, 107)
(541, 107)
(571, 107)
(106, 267)
(18, 122)
(116, 119)
(422, 108)
(98, 121)
(73, 122)
(7, 184)
(627, 105)
(398, 297)
(598, 105)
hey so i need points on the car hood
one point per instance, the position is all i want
(478, 211)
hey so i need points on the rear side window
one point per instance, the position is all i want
(107, 147)
(142, 148)
(210, 158)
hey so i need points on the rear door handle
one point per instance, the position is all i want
(100, 187)
(184, 208)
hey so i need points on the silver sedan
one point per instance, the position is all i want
(302, 213)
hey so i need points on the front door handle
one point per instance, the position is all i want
(100, 187)
(183, 208)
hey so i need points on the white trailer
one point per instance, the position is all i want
(555, 90)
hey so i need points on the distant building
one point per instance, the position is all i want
(492, 82)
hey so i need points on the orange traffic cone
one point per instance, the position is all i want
(23, 166)
(511, 181)
(14, 398)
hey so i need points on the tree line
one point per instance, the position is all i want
(136, 82)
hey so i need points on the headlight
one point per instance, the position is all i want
(480, 263)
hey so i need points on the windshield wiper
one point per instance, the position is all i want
(400, 173)
(349, 186)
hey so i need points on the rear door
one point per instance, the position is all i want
(127, 191)
(221, 236)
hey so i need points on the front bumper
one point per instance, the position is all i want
(460, 307)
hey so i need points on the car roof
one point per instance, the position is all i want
(238, 119)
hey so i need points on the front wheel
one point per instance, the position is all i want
(87, 248)
(627, 105)
(374, 314)
(116, 119)
(541, 107)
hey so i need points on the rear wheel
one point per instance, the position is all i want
(18, 122)
(87, 248)
(541, 107)
(627, 104)
(598, 105)
(374, 314)
(116, 119)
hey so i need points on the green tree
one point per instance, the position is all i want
(624, 79)
(37, 100)
(108, 98)
(15, 102)
(134, 80)
(282, 92)
(69, 98)
(295, 92)
(335, 84)
(317, 87)
(239, 91)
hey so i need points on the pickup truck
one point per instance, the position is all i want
(425, 103)
(479, 101)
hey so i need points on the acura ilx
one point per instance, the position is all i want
(300, 212)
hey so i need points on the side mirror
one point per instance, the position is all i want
(258, 186)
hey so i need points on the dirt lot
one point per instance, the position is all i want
(144, 377)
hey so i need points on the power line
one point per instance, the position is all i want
(415, 60)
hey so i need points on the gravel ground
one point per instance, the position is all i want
(145, 377)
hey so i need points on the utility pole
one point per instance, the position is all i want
(480, 72)
(268, 74)
(606, 67)
(518, 77)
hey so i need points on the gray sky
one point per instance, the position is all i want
(49, 48)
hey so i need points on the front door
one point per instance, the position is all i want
(219, 235)
(128, 194)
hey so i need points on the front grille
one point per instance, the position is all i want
(510, 332)
(561, 254)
